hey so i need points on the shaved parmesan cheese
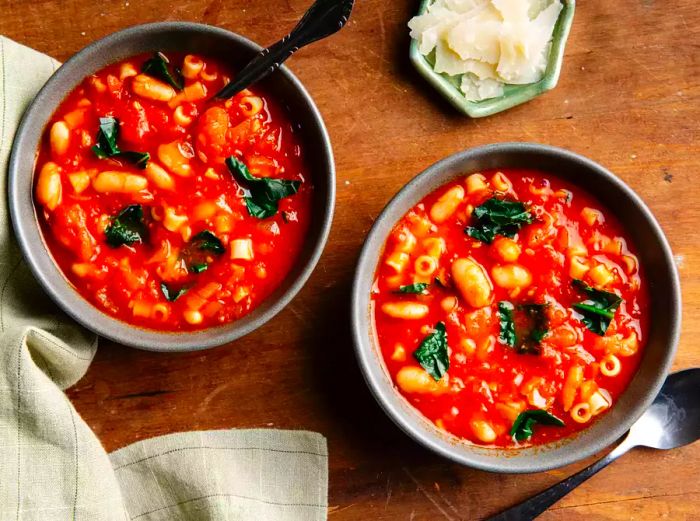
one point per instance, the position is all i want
(487, 43)
(523, 47)
(448, 62)
(464, 6)
(515, 11)
(476, 89)
(431, 27)
(474, 39)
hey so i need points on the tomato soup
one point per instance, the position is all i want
(510, 308)
(167, 207)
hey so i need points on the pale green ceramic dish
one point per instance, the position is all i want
(448, 86)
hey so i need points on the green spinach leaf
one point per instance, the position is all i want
(172, 294)
(538, 327)
(106, 141)
(498, 217)
(196, 253)
(207, 241)
(262, 194)
(418, 288)
(127, 227)
(432, 353)
(106, 144)
(599, 309)
(505, 316)
(198, 267)
(139, 159)
(157, 67)
(531, 321)
(526, 420)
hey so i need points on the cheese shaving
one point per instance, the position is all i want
(487, 44)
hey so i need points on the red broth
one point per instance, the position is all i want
(185, 189)
(571, 372)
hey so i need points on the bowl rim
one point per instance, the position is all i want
(30, 237)
(407, 417)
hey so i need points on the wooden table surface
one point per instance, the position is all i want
(629, 98)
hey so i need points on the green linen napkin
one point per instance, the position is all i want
(52, 467)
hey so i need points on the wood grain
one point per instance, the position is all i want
(629, 98)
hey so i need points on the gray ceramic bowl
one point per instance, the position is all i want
(175, 36)
(655, 256)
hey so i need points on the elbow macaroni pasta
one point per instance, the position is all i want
(192, 66)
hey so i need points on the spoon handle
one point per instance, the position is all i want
(323, 18)
(533, 507)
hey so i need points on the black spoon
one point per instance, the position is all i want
(324, 17)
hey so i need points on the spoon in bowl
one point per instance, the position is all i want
(324, 17)
(673, 420)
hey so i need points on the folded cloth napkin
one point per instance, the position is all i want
(52, 467)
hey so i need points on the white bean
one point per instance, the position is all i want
(511, 276)
(405, 310)
(473, 282)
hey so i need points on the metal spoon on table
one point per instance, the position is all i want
(673, 420)
(324, 17)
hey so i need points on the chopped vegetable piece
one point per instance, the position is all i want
(262, 194)
(498, 217)
(207, 241)
(417, 288)
(432, 352)
(507, 329)
(532, 326)
(199, 267)
(537, 330)
(157, 67)
(127, 227)
(138, 159)
(106, 141)
(106, 144)
(172, 294)
(526, 420)
(196, 253)
(599, 309)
